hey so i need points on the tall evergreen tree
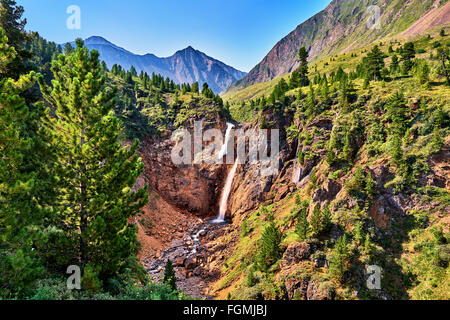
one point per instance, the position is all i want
(96, 172)
(340, 258)
(13, 24)
(375, 60)
(316, 221)
(269, 247)
(302, 228)
(25, 181)
(170, 278)
(408, 54)
(444, 57)
(303, 68)
(394, 65)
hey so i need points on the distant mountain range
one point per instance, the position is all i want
(185, 66)
(343, 26)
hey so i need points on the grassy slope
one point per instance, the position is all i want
(418, 243)
(350, 17)
(326, 65)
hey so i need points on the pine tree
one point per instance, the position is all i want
(195, 87)
(26, 187)
(444, 57)
(303, 69)
(370, 185)
(325, 91)
(96, 172)
(251, 281)
(367, 245)
(339, 259)
(408, 53)
(302, 228)
(170, 278)
(394, 65)
(311, 102)
(13, 25)
(316, 221)
(269, 247)
(326, 219)
(375, 60)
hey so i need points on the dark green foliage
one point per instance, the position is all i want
(303, 69)
(361, 185)
(408, 54)
(311, 106)
(396, 112)
(302, 228)
(316, 221)
(251, 280)
(13, 24)
(87, 140)
(339, 262)
(375, 63)
(394, 68)
(444, 57)
(26, 182)
(244, 228)
(269, 247)
(170, 278)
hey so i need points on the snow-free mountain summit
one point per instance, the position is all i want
(185, 66)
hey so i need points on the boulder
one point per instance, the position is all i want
(296, 252)
(320, 291)
(296, 288)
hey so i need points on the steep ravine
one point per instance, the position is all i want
(183, 198)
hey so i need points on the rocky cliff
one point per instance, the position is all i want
(341, 27)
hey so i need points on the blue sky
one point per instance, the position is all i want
(237, 32)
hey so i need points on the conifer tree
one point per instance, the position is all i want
(195, 87)
(444, 57)
(13, 25)
(269, 247)
(394, 65)
(316, 221)
(170, 278)
(408, 53)
(311, 102)
(325, 90)
(339, 259)
(25, 180)
(326, 219)
(303, 69)
(302, 228)
(375, 61)
(96, 172)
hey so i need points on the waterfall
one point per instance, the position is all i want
(224, 150)
(226, 194)
(229, 182)
(296, 173)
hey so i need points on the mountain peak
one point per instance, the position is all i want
(97, 40)
(185, 66)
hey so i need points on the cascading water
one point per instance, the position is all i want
(223, 152)
(229, 182)
(296, 173)
(225, 195)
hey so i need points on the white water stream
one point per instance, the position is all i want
(229, 182)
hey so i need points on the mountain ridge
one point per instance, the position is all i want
(340, 27)
(184, 66)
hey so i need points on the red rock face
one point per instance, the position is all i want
(190, 189)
